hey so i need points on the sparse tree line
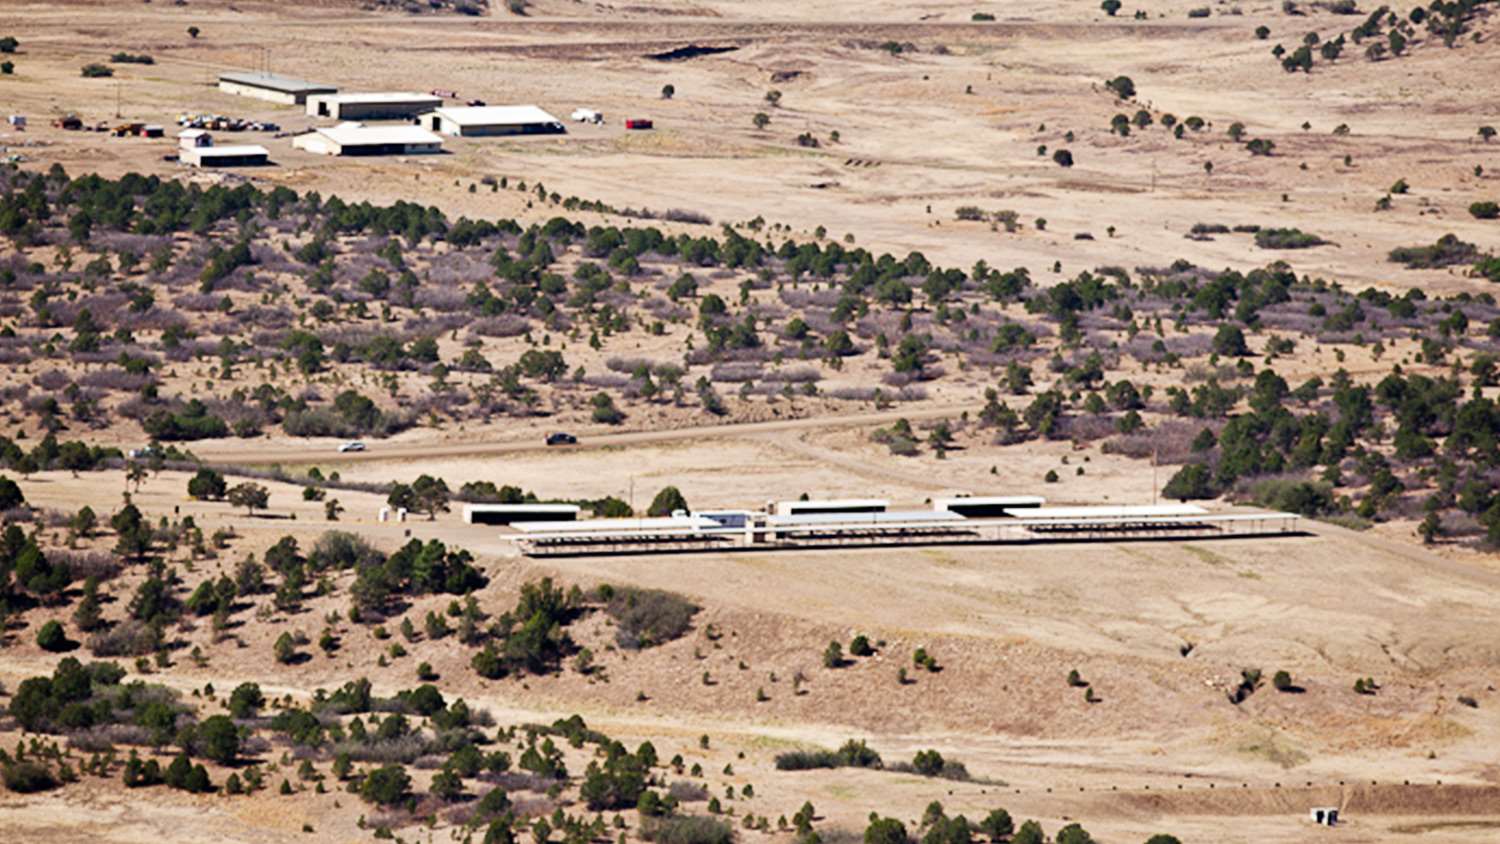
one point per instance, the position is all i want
(1384, 33)
(847, 302)
(352, 740)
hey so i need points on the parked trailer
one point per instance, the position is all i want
(637, 123)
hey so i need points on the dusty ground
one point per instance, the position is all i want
(913, 146)
(1007, 624)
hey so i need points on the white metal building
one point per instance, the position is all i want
(358, 139)
(987, 505)
(504, 514)
(867, 522)
(397, 105)
(483, 121)
(273, 87)
(196, 147)
(835, 505)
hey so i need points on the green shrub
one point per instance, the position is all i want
(686, 830)
(96, 71)
(207, 484)
(666, 502)
(1193, 481)
(1447, 251)
(386, 786)
(11, 496)
(1485, 210)
(885, 831)
(52, 638)
(1287, 239)
(1289, 495)
(648, 617)
(27, 777)
(1122, 86)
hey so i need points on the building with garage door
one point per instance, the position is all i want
(358, 139)
(195, 147)
(273, 87)
(486, 121)
(380, 106)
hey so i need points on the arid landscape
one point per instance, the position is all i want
(1237, 255)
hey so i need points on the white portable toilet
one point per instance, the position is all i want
(401, 514)
(385, 514)
(1324, 815)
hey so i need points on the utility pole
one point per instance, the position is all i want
(117, 99)
(1154, 450)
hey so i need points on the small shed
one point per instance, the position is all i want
(372, 106)
(192, 138)
(272, 87)
(484, 121)
(358, 139)
(17, 120)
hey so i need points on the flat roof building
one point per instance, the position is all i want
(272, 87)
(504, 514)
(837, 505)
(395, 105)
(483, 121)
(1107, 511)
(358, 139)
(986, 506)
(238, 155)
(196, 147)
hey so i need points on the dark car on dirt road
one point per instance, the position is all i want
(560, 438)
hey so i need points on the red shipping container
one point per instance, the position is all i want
(638, 124)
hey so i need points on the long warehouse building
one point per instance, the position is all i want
(272, 87)
(358, 139)
(1024, 521)
(487, 121)
(372, 106)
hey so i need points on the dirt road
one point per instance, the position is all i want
(323, 451)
